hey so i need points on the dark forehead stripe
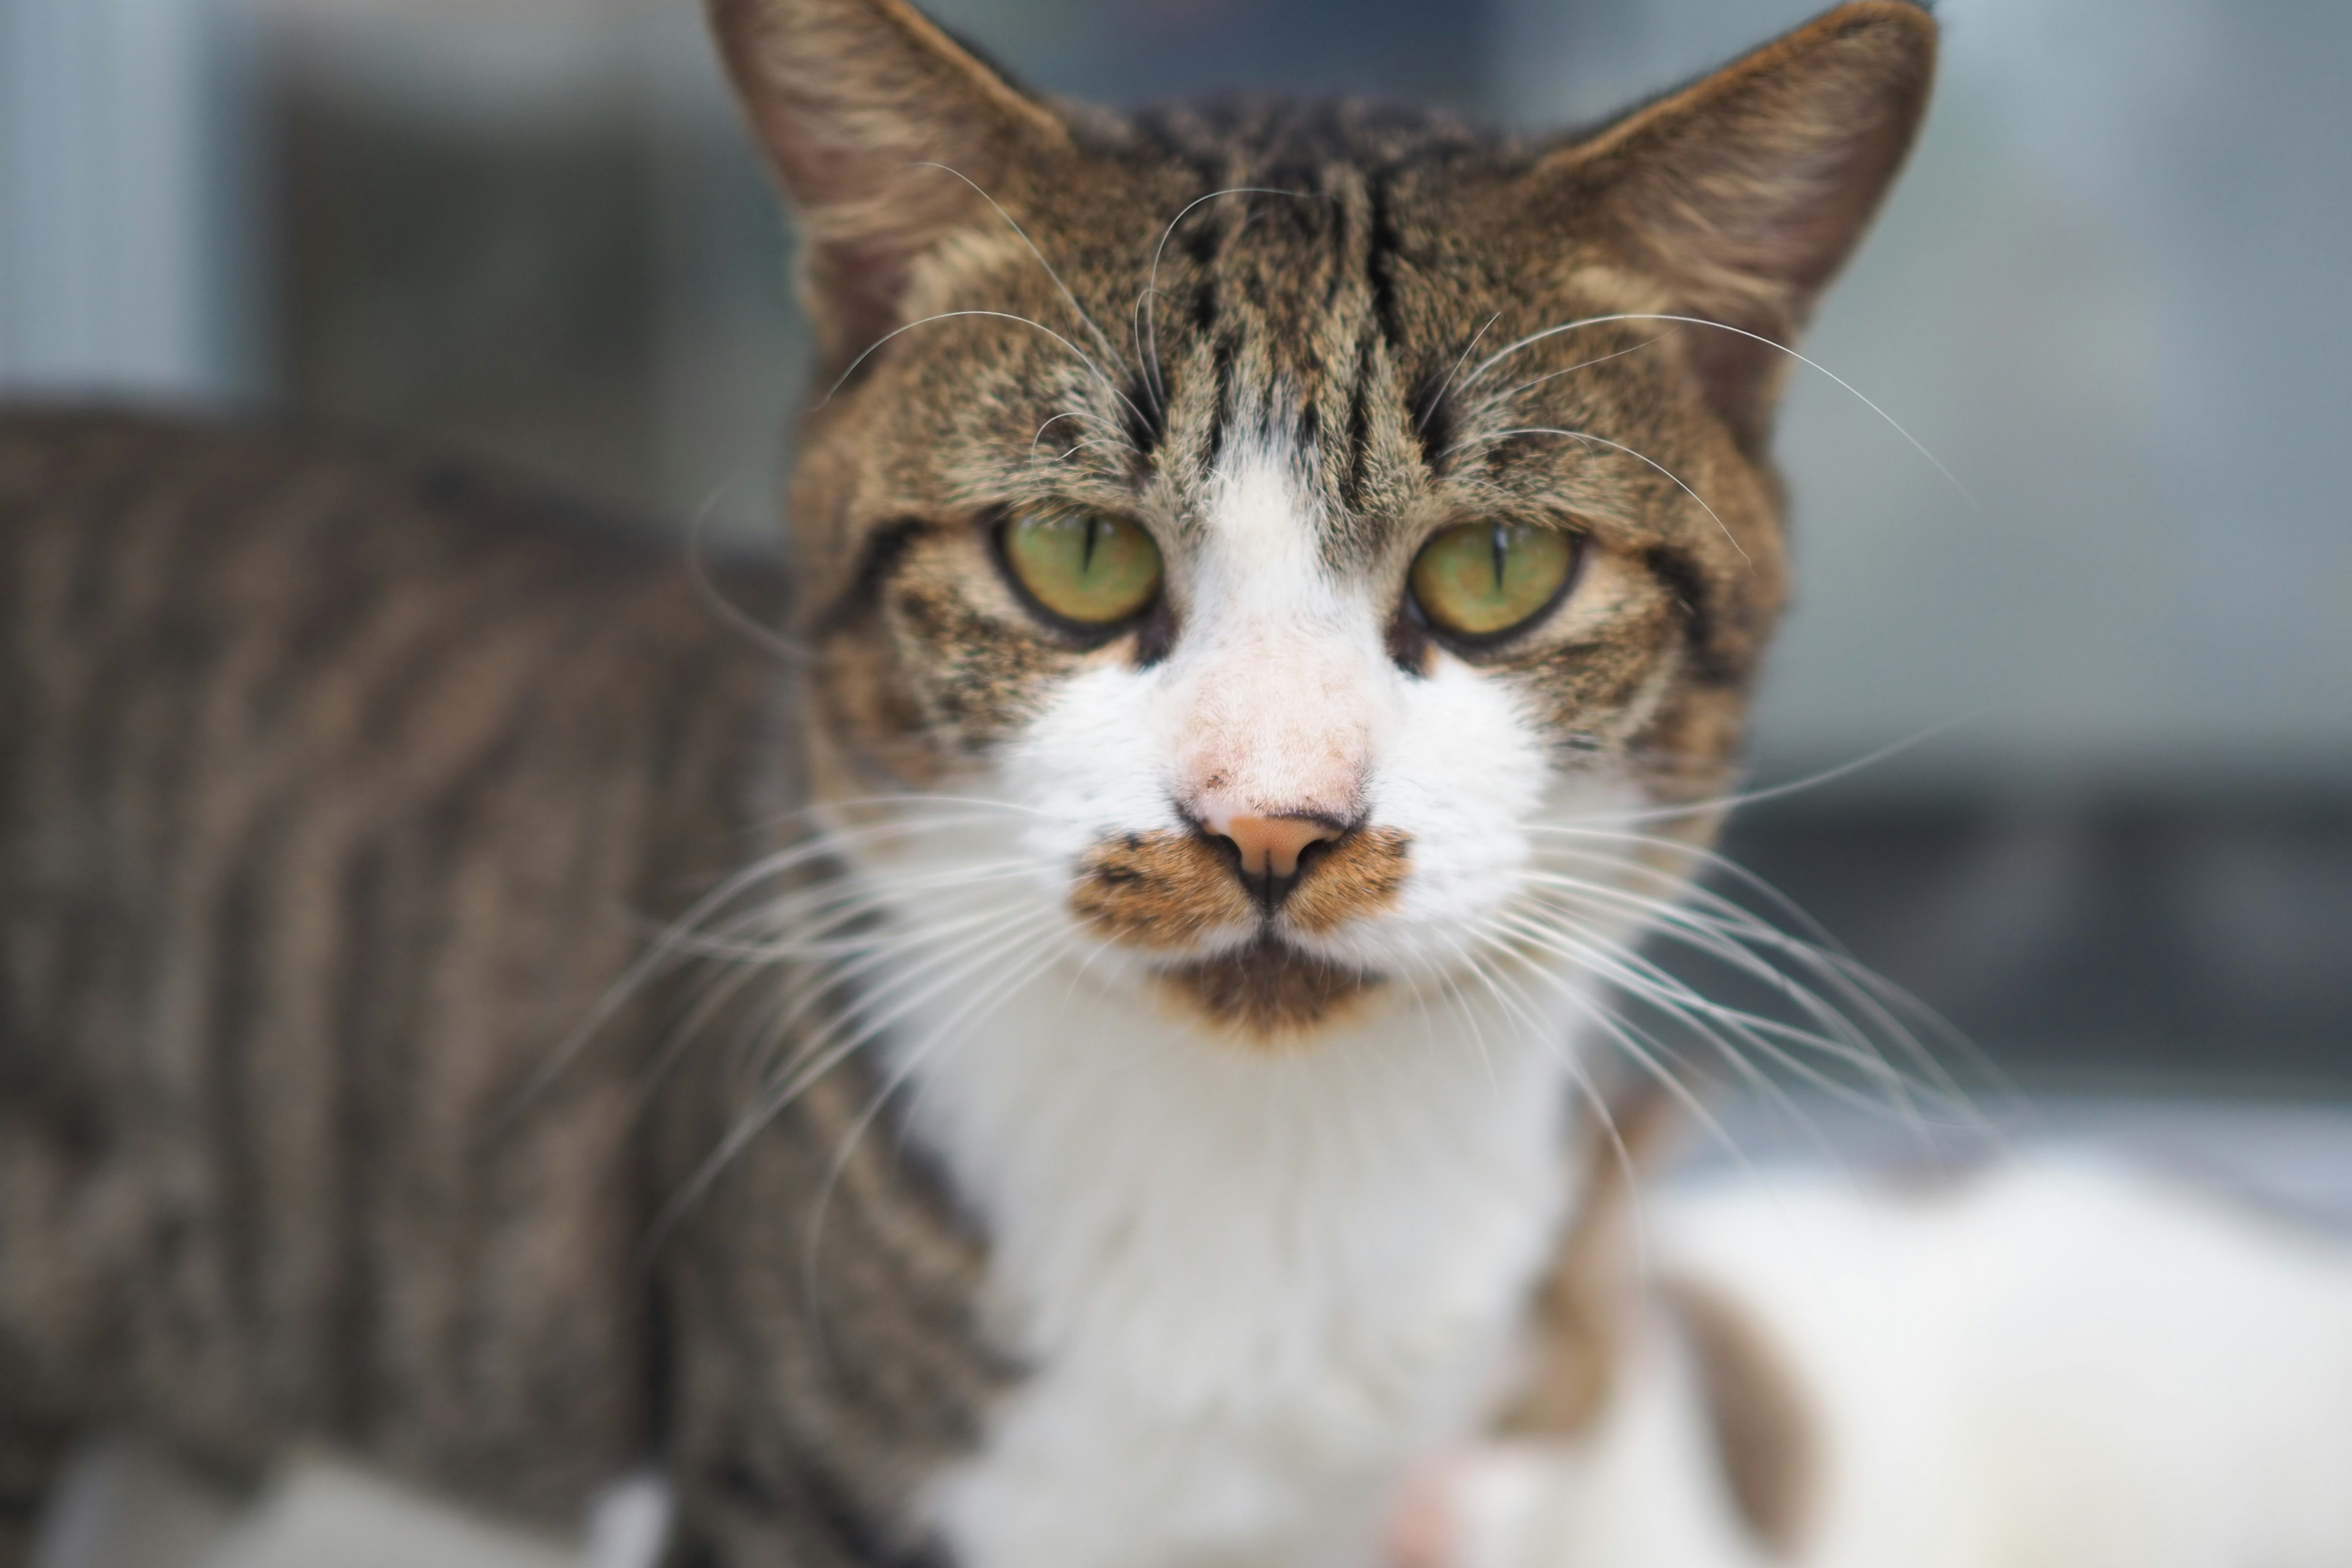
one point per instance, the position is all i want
(1295, 276)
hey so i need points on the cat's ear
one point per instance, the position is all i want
(857, 105)
(1747, 191)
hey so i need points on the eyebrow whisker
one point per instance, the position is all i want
(1616, 447)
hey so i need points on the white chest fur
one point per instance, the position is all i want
(1248, 1286)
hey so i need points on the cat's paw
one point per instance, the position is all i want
(1475, 1508)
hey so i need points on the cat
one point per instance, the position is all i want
(1275, 594)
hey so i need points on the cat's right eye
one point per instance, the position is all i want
(1089, 568)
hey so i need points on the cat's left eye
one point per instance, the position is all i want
(1088, 567)
(1484, 580)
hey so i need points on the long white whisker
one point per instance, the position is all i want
(1502, 397)
(842, 974)
(1846, 1042)
(1437, 397)
(1645, 980)
(698, 572)
(984, 1002)
(1078, 310)
(1110, 425)
(1587, 435)
(1151, 279)
(815, 1065)
(1635, 1052)
(1570, 1060)
(1878, 998)
(1774, 791)
(1080, 354)
(1534, 338)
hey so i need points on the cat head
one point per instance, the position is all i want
(1250, 530)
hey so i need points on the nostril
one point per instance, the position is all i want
(1271, 850)
(1313, 855)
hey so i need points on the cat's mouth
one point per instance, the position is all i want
(1269, 991)
(1174, 893)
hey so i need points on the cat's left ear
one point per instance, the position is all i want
(1747, 191)
(884, 133)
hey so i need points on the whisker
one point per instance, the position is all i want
(1880, 999)
(1582, 1080)
(1502, 397)
(1643, 981)
(1079, 311)
(1774, 791)
(698, 571)
(985, 1002)
(1115, 435)
(1615, 447)
(1674, 924)
(814, 1066)
(1080, 354)
(843, 975)
(1438, 396)
(1534, 338)
(1638, 1053)
(1151, 279)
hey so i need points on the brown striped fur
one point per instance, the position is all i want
(337, 791)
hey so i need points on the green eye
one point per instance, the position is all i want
(1083, 566)
(1484, 578)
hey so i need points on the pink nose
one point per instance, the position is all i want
(1270, 845)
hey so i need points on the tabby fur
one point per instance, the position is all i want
(341, 797)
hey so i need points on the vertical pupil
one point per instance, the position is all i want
(1087, 557)
(1502, 543)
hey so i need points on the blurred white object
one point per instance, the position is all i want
(130, 186)
(628, 1524)
(2062, 1365)
(122, 1505)
(125, 1506)
(319, 1512)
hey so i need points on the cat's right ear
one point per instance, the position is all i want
(883, 132)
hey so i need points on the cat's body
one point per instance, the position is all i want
(340, 793)
(1280, 592)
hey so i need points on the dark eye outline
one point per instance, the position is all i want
(1471, 643)
(1086, 633)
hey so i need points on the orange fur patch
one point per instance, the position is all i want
(1159, 889)
(1356, 877)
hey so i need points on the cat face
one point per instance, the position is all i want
(1283, 519)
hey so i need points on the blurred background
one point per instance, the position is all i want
(2114, 844)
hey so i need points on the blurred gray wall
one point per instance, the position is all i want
(133, 237)
(2106, 297)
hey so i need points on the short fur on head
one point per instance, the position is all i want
(1292, 343)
